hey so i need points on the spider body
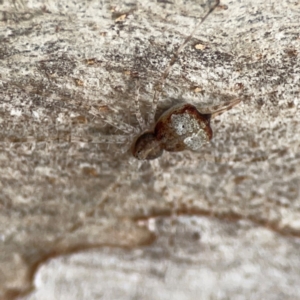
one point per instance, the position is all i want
(147, 147)
(182, 127)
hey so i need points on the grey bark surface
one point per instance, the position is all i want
(222, 223)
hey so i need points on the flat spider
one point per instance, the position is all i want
(182, 127)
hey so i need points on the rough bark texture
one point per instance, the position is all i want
(219, 224)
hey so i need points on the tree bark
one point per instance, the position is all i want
(221, 223)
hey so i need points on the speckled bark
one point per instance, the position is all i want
(237, 236)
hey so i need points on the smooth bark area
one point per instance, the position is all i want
(221, 223)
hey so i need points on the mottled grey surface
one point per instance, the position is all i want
(237, 236)
(209, 259)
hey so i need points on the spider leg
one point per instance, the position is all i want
(138, 113)
(218, 109)
(103, 139)
(161, 82)
(126, 128)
